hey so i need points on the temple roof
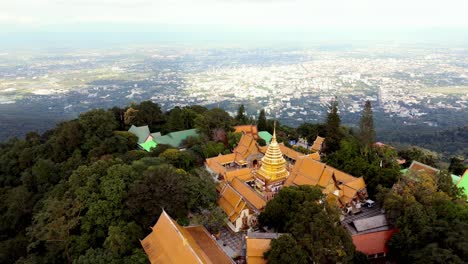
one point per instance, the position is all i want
(273, 164)
(317, 146)
(256, 247)
(253, 198)
(247, 129)
(308, 171)
(231, 202)
(171, 243)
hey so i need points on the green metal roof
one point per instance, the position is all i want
(265, 135)
(463, 183)
(174, 139)
(455, 178)
(141, 132)
(148, 145)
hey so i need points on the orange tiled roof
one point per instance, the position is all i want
(255, 249)
(308, 171)
(247, 129)
(315, 156)
(317, 146)
(171, 243)
(231, 202)
(289, 152)
(373, 243)
(249, 194)
(247, 146)
(245, 174)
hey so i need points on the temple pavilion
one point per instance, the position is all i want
(251, 175)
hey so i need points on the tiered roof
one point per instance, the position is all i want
(308, 171)
(273, 164)
(250, 130)
(231, 202)
(171, 243)
(253, 198)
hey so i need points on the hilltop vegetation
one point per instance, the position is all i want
(83, 193)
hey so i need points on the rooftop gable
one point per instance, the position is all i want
(142, 132)
(171, 243)
(250, 195)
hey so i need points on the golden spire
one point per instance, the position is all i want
(273, 164)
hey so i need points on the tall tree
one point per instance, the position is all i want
(332, 127)
(262, 121)
(303, 213)
(241, 118)
(366, 126)
(456, 166)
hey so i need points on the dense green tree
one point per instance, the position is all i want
(180, 119)
(432, 224)
(286, 249)
(241, 118)
(311, 131)
(262, 121)
(314, 226)
(150, 114)
(148, 196)
(456, 166)
(378, 166)
(213, 218)
(212, 121)
(233, 139)
(366, 126)
(418, 154)
(332, 128)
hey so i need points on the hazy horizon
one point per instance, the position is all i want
(52, 23)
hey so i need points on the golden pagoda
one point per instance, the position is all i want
(272, 173)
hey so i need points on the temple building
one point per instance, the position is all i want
(252, 175)
(272, 173)
(171, 243)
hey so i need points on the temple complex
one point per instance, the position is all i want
(252, 175)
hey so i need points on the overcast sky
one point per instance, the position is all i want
(307, 14)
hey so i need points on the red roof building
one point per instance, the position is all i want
(373, 244)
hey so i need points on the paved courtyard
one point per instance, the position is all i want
(231, 242)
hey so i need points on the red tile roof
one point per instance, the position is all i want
(373, 243)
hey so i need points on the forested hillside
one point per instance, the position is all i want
(84, 193)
